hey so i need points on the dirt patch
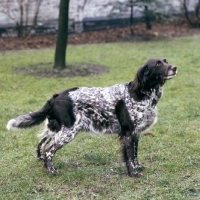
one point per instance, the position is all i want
(77, 69)
(112, 35)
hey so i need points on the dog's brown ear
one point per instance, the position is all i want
(142, 74)
(140, 79)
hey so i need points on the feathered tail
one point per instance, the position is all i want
(31, 119)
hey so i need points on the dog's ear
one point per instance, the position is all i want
(139, 83)
(143, 74)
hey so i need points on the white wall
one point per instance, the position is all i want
(50, 9)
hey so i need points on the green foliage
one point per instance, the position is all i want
(90, 166)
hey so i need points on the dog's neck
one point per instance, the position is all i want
(154, 94)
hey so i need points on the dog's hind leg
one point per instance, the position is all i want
(64, 136)
(41, 147)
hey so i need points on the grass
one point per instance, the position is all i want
(90, 166)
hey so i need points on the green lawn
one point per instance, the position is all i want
(90, 166)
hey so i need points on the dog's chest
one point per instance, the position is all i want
(143, 114)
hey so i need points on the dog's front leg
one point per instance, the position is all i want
(130, 145)
(135, 150)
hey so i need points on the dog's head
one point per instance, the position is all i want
(155, 72)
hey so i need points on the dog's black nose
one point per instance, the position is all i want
(174, 68)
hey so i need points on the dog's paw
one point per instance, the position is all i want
(51, 170)
(141, 167)
(135, 175)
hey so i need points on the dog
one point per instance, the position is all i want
(127, 109)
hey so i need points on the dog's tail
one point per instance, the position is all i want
(31, 119)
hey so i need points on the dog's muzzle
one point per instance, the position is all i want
(171, 72)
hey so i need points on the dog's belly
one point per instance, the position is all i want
(98, 126)
(98, 120)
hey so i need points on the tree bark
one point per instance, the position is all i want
(186, 13)
(61, 43)
(20, 26)
(35, 17)
(131, 18)
(147, 17)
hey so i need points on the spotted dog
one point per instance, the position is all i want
(128, 109)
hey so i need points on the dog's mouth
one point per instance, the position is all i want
(170, 75)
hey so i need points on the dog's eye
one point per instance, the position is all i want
(158, 63)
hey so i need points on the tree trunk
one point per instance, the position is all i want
(61, 43)
(186, 13)
(131, 19)
(35, 17)
(19, 26)
(147, 17)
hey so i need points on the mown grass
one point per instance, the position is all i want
(90, 166)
